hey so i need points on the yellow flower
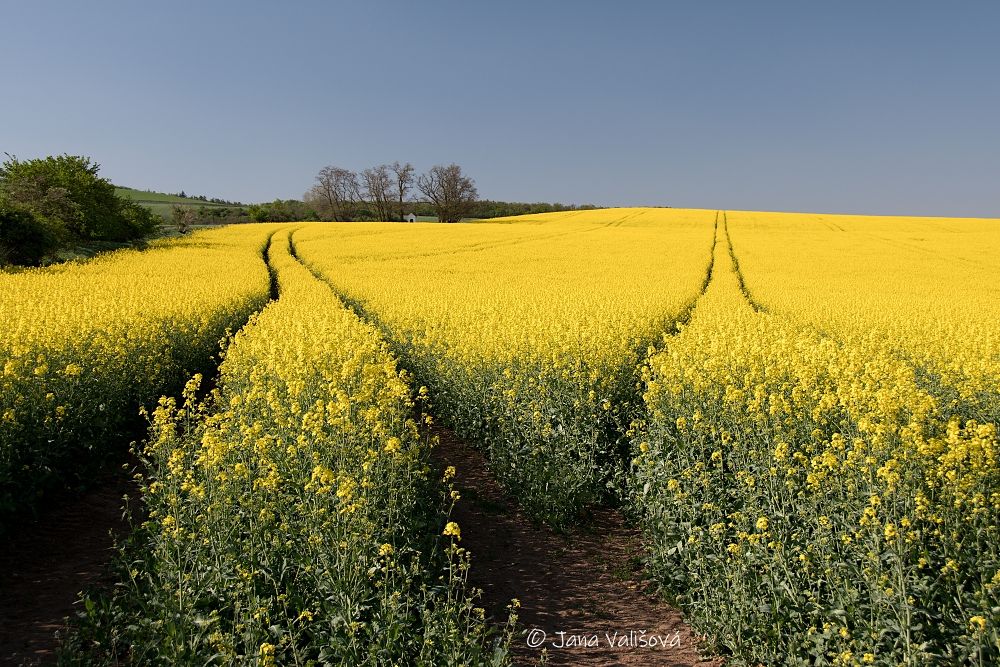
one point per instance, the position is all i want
(451, 529)
(781, 451)
(267, 654)
(346, 489)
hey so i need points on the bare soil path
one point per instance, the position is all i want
(46, 562)
(587, 584)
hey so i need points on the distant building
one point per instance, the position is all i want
(410, 217)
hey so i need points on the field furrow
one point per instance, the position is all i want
(804, 493)
(85, 346)
(293, 516)
(530, 348)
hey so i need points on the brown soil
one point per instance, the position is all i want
(47, 562)
(587, 584)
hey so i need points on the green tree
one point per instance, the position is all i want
(140, 220)
(66, 191)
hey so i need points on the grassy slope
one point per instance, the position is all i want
(161, 203)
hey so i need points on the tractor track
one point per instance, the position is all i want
(48, 560)
(587, 582)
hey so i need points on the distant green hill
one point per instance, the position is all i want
(161, 203)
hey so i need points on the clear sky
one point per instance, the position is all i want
(867, 107)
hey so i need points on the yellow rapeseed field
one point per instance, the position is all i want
(292, 515)
(84, 345)
(529, 334)
(818, 474)
(927, 289)
(800, 411)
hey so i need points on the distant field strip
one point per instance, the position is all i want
(925, 288)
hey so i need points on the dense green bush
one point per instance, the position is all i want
(24, 238)
(73, 203)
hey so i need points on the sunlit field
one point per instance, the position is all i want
(799, 412)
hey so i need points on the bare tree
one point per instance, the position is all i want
(451, 192)
(336, 190)
(183, 217)
(379, 190)
(404, 181)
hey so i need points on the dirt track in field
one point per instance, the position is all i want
(586, 584)
(45, 564)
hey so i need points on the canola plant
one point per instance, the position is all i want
(924, 289)
(800, 411)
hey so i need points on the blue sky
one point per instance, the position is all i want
(867, 107)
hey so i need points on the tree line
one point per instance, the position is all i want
(52, 203)
(209, 200)
(294, 210)
(383, 192)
